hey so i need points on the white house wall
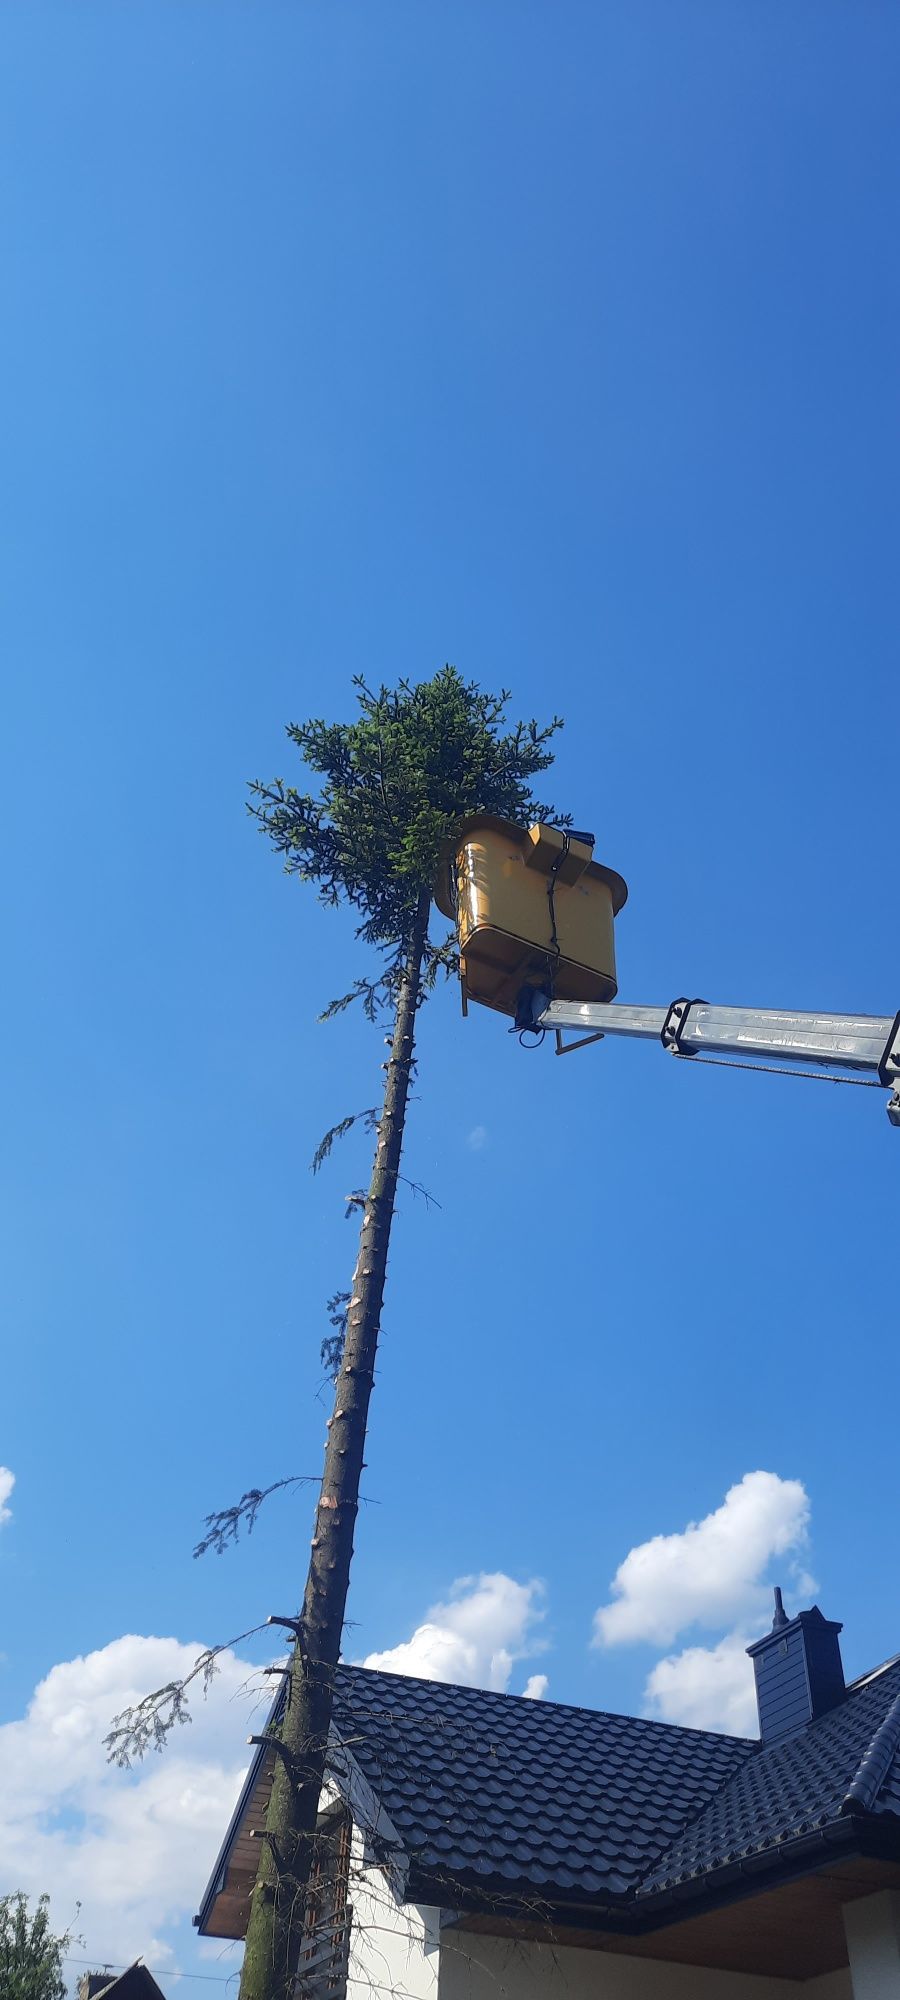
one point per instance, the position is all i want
(474, 1967)
(399, 1951)
(394, 1947)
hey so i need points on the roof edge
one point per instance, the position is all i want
(784, 1860)
(874, 1764)
(342, 1768)
(636, 1915)
(216, 1882)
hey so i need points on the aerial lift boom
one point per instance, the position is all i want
(757, 1035)
(534, 916)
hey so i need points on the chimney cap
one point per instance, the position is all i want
(798, 1670)
(810, 1621)
(780, 1618)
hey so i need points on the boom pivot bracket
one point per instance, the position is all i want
(889, 1071)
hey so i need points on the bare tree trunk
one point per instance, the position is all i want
(274, 1934)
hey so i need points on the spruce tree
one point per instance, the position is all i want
(393, 784)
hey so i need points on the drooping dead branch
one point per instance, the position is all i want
(368, 1119)
(148, 1723)
(333, 1344)
(223, 1528)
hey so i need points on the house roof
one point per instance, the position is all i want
(135, 1983)
(495, 1791)
(539, 1806)
(845, 1765)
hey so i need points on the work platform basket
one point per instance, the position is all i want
(531, 907)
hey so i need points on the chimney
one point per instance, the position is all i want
(798, 1671)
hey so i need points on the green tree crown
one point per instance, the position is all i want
(395, 782)
(31, 1956)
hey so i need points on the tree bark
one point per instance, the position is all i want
(278, 1903)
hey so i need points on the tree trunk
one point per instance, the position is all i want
(275, 1930)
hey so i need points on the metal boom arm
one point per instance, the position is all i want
(695, 1028)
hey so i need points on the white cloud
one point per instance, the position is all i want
(478, 1138)
(535, 1687)
(487, 1623)
(134, 1848)
(706, 1687)
(709, 1574)
(7, 1482)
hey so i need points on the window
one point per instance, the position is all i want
(322, 1971)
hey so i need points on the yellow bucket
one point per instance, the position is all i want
(531, 907)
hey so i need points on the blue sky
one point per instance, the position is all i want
(559, 343)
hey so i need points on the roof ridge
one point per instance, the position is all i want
(703, 1805)
(571, 1707)
(873, 1673)
(874, 1764)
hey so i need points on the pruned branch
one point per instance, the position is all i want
(440, 958)
(357, 1199)
(376, 996)
(368, 1118)
(332, 1346)
(223, 1528)
(272, 1742)
(148, 1723)
(416, 1187)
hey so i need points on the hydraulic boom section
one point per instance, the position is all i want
(835, 1043)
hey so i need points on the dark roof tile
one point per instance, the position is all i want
(530, 1792)
(847, 1760)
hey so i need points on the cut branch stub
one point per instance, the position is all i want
(281, 1750)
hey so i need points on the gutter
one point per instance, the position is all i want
(783, 1862)
(639, 1913)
